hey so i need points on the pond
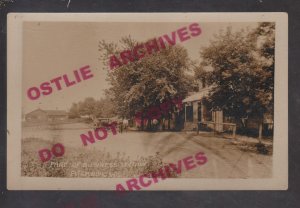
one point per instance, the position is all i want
(57, 133)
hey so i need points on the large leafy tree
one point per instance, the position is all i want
(92, 107)
(241, 70)
(146, 82)
(264, 39)
(88, 107)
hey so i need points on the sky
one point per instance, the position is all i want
(52, 49)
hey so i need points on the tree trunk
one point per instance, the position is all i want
(142, 124)
(176, 121)
(149, 126)
(169, 122)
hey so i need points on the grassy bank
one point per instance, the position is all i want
(78, 162)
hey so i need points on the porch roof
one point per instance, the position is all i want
(197, 96)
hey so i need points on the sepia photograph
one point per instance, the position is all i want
(142, 104)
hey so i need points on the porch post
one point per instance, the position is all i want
(185, 114)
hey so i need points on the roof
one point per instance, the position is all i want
(56, 112)
(51, 112)
(197, 96)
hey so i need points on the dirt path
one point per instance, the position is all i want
(225, 160)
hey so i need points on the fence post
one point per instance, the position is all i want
(215, 127)
(260, 132)
(234, 131)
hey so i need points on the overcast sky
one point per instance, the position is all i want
(51, 49)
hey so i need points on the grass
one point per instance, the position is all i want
(94, 163)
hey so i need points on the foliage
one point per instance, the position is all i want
(146, 82)
(92, 107)
(241, 71)
(97, 163)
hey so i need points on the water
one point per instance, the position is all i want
(58, 133)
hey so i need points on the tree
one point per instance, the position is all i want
(241, 71)
(92, 107)
(107, 107)
(88, 107)
(146, 82)
(264, 37)
(74, 111)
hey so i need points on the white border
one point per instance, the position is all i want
(14, 75)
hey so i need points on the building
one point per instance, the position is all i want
(46, 115)
(197, 111)
(199, 114)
